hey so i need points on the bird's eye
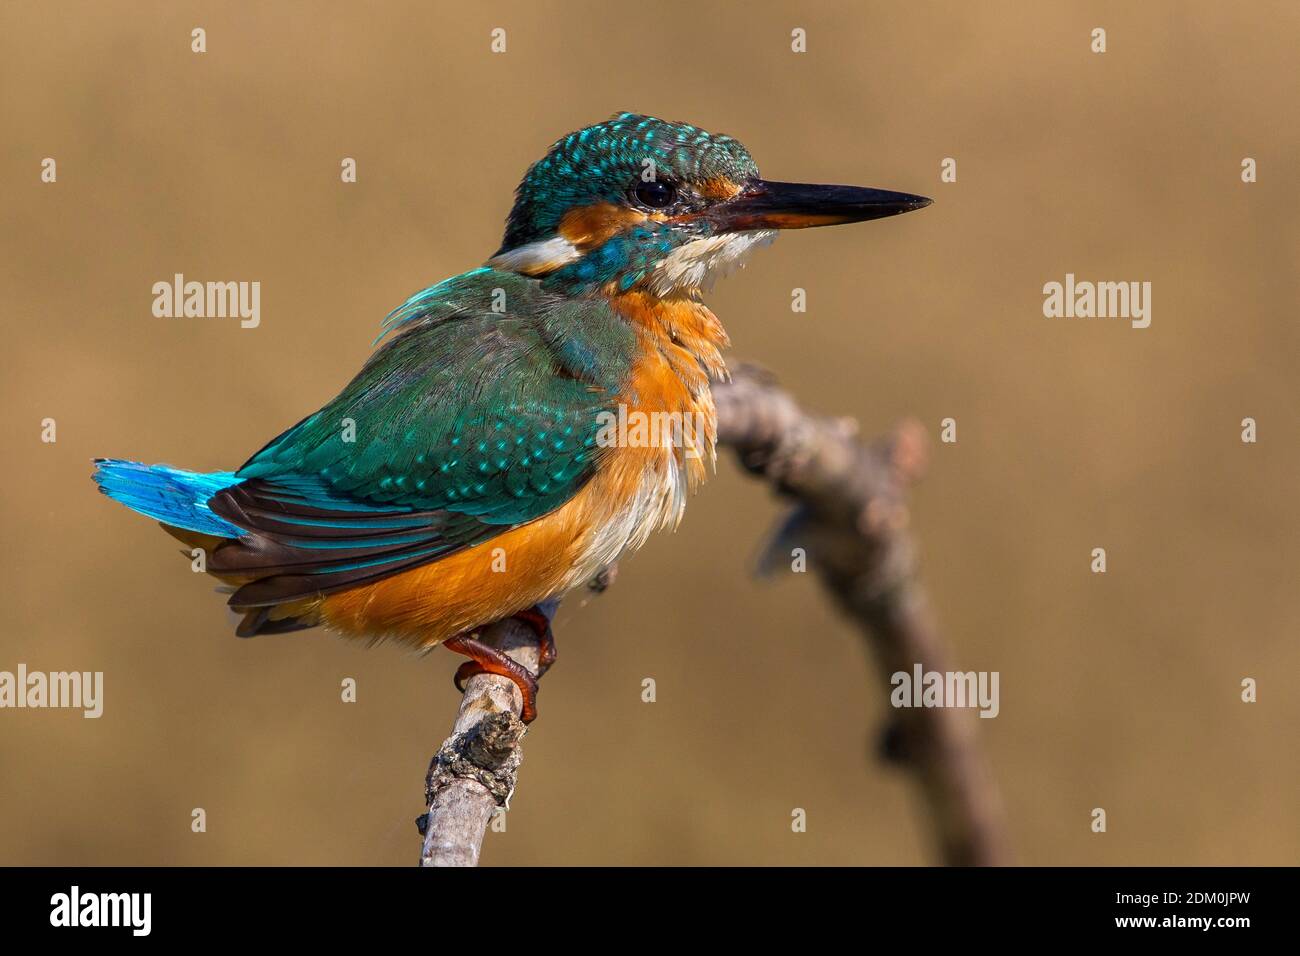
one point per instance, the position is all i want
(654, 195)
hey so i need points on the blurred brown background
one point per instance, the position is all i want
(1118, 690)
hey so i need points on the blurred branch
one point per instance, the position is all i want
(851, 519)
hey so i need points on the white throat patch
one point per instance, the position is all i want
(692, 266)
(545, 255)
(697, 264)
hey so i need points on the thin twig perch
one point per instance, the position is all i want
(474, 771)
(850, 519)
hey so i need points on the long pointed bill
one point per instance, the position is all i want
(772, 205)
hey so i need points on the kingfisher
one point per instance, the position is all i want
(463, 477)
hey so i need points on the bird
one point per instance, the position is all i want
(469, 473)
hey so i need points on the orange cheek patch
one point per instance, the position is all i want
(717, 188)
(590, 226)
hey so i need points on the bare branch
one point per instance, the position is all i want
(474, 771)
(851, 517)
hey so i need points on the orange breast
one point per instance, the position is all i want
(492, 580)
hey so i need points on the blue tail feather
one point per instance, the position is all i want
(166, 494)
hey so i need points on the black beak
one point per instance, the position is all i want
(770, 205)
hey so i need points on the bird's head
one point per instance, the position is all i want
(640, 202)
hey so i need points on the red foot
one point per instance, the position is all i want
(541, 625)
(485, 659)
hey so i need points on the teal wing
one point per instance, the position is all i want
(478, 414)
